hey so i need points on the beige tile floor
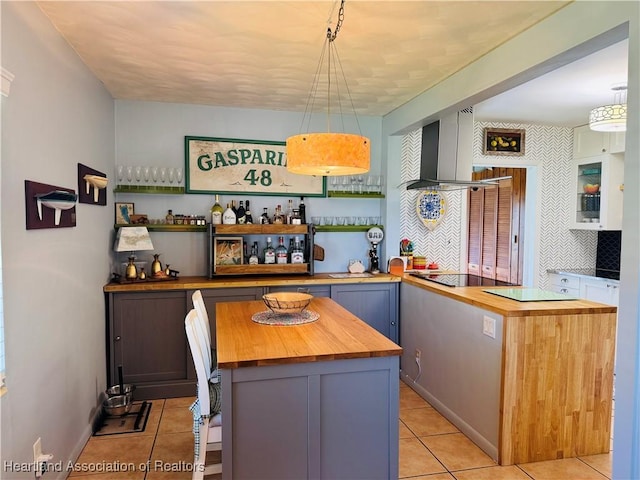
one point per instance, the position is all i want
(431, 448)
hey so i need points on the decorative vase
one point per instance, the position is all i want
(156, 266)
(131, 273)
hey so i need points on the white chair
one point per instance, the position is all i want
(207, 425)
(203, 325)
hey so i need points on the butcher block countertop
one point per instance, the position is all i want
(507, 307)
(197, 283)
(336, 335)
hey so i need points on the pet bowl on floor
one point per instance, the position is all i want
(117, 405)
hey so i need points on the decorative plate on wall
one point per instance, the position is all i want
(431, 207)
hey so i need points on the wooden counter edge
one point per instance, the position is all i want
(311, 358)
(197, 283)
(507, 307)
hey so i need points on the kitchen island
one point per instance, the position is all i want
(317, 400)
(526, 381)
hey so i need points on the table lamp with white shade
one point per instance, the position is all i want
(132, 239)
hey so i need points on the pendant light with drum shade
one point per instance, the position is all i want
(612, 117)
(328, 154)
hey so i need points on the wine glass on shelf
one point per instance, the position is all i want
(163, 174)
(120, 173)
(154, 174)
(371, 183)
(360, 182)
(335, 181)
(171, 174)
(146, 172)
(179, 172)
(353, 179)
(346, 183)
(129, 173)
(138, 173)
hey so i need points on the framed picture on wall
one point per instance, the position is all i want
(503, 141)
(250, 167)
(124, 211)
(227, 251)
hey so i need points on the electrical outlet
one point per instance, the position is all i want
(489, 326)
(37, 450)
(40, 459)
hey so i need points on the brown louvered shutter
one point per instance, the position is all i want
(476, 209)
(489, 232)
(503, 236)
(496, 226)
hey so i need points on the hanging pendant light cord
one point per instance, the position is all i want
(329, 48)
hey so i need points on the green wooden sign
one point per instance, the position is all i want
(251, 167)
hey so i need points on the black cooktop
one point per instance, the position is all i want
(462, 280)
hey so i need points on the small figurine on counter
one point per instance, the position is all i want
(374, 260)
(406, 247)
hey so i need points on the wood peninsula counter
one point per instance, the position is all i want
(317, 400)
(538, 388)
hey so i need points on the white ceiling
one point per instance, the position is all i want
(264, 54)
(564, 96)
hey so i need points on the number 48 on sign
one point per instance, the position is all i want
(227, 165)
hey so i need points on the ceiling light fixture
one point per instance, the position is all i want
(611, 118)
(329, 153)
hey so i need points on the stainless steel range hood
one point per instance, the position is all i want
(446, 155)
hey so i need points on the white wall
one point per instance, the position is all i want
(57, 114)
(150, 133)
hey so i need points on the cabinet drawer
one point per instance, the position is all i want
(572, 292)
(565, 281)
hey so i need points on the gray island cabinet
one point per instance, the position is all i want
(311, 401)
(526, 381)
(145, 321)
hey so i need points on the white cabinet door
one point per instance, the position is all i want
(588, 143)
(599, 290)
(600, 209)
(616, 142)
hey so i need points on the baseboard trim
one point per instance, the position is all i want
(484, 444)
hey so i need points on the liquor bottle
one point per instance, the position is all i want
(281, 251)
(169, 218)
(278, 218)
(297, 253)
(269, 253)
(289, 212)
(249, 218)
(228, 217)
(290, 249)
(303, 211)
(264, 218)
(295, 218)
(253, 259)
(245, 252)
(216, 212)
(241, 214)
(234, 208)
